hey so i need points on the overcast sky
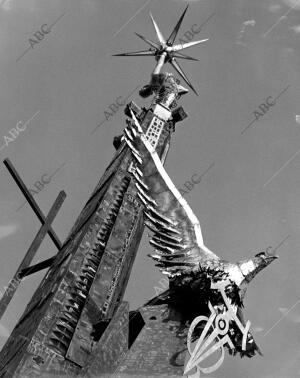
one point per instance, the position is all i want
(57, 82)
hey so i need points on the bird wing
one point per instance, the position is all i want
(177, 236)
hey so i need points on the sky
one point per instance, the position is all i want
(58, 81)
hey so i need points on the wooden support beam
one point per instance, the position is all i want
(37, 267)
(35, 207)
(16, 280)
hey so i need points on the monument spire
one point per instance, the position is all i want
(76, 323)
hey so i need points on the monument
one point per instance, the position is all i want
(77, 323)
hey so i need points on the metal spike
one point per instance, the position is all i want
(137, 53)
(83, 279)
(167, 238)
(167, 264)
(73, 303)
(173, 256)
(176, 66)
(105, 227)
(94, 256)
(77, 298)
(139, 160)
(172, 273)
(98, 243)
(133, 149)
(133, 130)
(139, 171)
(81, 294)
(161, 247)
(155, 257)
(187, 45)
(128, 134)
(81, 283)
(117, 203)
(160, 216)
(162, 233)
(151, 43)
(162, 225)
(183, 56)
(87, 280)
(101, 236)
(136, 122)
(174, 33)
(92, 262)
(58, 344)
(142, 199)
(64, 339)
(83, 289)
(88, 268)
(64, 327)
(146, 197)
(169, 243)
(158, 32)
(68, 318)
(140, 181)
(89, 275)
(113, 212)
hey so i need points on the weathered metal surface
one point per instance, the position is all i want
(41, 361)
(157, 349)
(112, 346)
(118, 256)
(41, 311)
(44, 322)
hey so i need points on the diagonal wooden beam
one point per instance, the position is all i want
(37, 267)
(35, 207)
(16, 280)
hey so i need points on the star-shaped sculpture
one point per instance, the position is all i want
(165, 51)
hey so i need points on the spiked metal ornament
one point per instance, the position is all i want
(165, 51)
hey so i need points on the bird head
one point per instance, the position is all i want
(246, 270)
(249, 268)
(263, 259)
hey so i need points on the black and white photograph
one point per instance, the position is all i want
(150, 188)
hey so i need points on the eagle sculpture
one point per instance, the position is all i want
(195, 273)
